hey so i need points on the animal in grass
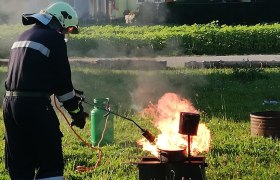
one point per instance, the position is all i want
(129, 18)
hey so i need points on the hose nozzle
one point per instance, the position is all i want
(149, 136)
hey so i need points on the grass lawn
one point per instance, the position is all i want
(224, 97)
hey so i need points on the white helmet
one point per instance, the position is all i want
(62, 11)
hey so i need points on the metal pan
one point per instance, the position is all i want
(172, 155)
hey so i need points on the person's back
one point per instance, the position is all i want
(39, 62)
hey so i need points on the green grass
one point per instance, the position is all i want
(225, 98)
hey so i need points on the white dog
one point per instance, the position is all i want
(129, 18)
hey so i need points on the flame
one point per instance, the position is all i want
(166, 117)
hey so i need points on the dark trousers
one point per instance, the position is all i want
(32, 138)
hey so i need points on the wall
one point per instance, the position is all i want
(131, 5)
(123, 5)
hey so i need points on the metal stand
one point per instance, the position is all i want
(189, 148)
(150, 168)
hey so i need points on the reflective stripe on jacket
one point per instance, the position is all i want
(39, 63)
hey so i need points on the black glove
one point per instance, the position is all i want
(79, 119)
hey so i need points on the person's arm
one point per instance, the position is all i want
(64, 90)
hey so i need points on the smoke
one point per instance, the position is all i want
(152, 85)
(11, 14)
(152, 13)
(11, 10)
(149, 88)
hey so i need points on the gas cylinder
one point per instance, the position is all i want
(98, 123)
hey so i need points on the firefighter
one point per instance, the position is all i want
(38, 68)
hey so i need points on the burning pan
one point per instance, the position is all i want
(172, 155)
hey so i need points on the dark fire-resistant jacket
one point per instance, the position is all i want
(39, 63)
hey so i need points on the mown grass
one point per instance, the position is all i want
(225, 98)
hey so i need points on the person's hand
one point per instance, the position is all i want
(79, 119)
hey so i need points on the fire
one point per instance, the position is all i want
(166, 117)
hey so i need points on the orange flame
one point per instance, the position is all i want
(166, 117)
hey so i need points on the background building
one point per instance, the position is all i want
(154, 11)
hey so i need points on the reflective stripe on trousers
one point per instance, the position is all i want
(52, 178)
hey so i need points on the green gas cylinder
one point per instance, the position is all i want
(98, 123)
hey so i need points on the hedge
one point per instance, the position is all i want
(197, 39)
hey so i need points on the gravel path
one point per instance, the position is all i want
(181, 60)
